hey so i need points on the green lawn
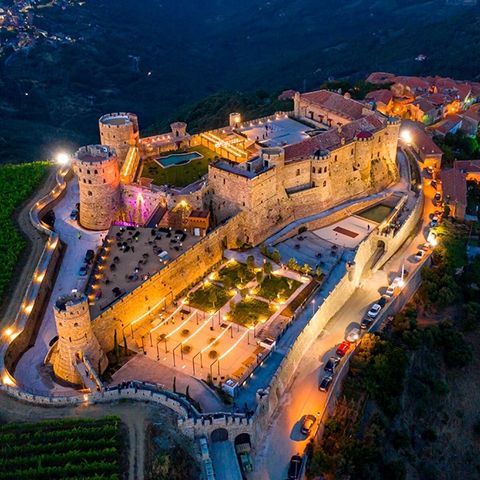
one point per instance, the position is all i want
(205, 300)
(181, 175)
(250, 311)
(61, 449)
(237, 272)
(277, 287)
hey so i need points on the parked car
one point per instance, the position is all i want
(331, 365)
(89, 256)
(382, 301)
(425, 246)
(391, 290)
(325, 383)
(294, 467)
(366, 322)
(374, 310)
(419, 255)
(308, 423)
(353, 335)
(437, 197)
(343, 348)
(74, 214)
(433, 183)
(82, 270)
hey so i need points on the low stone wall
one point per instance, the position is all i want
(163, 287)
(27, 321)
(206, 424)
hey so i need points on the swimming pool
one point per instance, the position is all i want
(178, 159)
(378, 213)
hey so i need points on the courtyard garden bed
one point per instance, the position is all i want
(209, 297)
(251, 311)
(235, 273)
(61, 449)
(180, 175)
(277, 288)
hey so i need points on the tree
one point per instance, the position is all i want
(306, 269)
(125, 348)
(251, 262)
(292, 264)
(227, 282)
(263, 249)
(259, 277)
(267, 269)
(212, 296)
(275, 256)
(115, 346)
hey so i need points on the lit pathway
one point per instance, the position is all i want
(30, 371)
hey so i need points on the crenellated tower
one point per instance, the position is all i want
(96, 167)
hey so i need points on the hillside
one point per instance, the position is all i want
(157, 58)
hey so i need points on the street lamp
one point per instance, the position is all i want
(406, 136)
(313, 307)
(62, 159)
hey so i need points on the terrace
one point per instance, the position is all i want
(130, 256)
(216, 330)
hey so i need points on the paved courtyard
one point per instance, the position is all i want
(275, 133)
(130, 257)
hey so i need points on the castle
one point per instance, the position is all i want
(269, 172)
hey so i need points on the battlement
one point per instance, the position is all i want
(66, 302)
(118, 120)
(94, 154)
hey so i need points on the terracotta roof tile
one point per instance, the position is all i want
(344, 107)
(382, 95)
(454, 185)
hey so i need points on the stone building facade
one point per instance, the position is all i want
(119, 131)
(76, 341)
(96, 167)
(287, 183)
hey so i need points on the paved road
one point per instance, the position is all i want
(30, 370)
(303, 396)
(225, 461)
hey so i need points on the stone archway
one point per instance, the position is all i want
(219, 435)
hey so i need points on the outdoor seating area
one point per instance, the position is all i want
(130, 256)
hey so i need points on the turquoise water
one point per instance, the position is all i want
(377, 213)
(178, 159)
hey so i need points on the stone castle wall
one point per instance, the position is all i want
(75, 339)
(167, 284)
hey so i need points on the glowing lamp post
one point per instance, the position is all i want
(406, 136)
(62, 159)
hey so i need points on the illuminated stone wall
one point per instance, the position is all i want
(164, 286)
(76, 340)
(119, 131)
(96, 167)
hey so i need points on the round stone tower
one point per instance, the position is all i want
(119, 131)
(179, 129)
(96, 167)
(77, 343)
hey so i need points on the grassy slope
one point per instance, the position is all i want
(17, 183)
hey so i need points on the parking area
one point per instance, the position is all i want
(130, 256)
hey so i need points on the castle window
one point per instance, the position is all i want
(84, 181)
(313, 184)
(313, 169)
(88, 171)
(335, 157)
(80, 170)
(379, 140)
(298, 172)
(378, 154)
(90, 182)
(224, 181)
(351, 151)
(324, 183)
(89, 193)
(96, 172)
(75, 324)
(325, 170)
(104, 181)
